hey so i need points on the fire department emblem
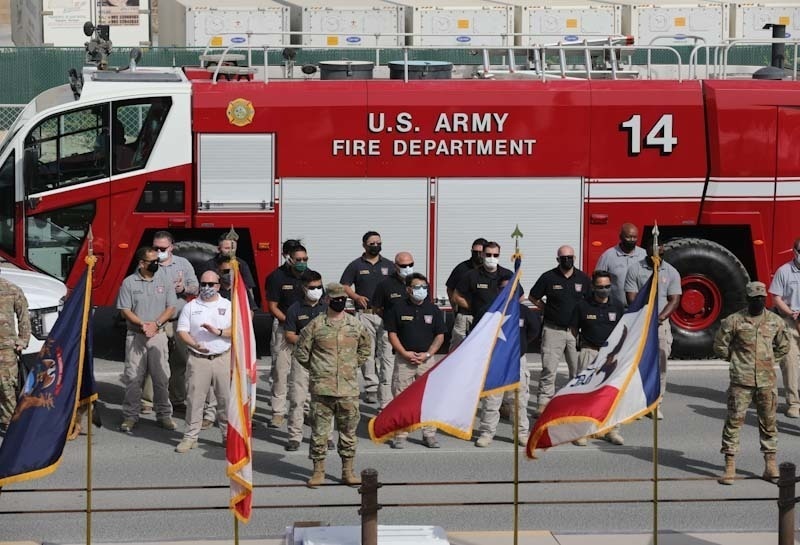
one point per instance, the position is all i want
(428, 318)
(241, 112)
(612, 316)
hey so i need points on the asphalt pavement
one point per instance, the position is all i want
(144, 491)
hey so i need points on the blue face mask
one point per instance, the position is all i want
(419, 293)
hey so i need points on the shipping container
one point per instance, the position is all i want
(675, 22)
(59, 23)
(538, 22)
(458, 22)
(350, 23)
(200, 23)
(748, 19)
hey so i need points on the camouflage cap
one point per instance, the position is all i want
(335, 290)
(755, 289)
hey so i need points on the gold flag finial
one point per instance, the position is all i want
(233, 236)
(90, 241)
(516, 235)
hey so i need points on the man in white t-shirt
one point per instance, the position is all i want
(205, 327)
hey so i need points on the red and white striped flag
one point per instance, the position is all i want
(241, 400)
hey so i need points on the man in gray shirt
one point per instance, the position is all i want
(619, 258)
(669, 296)
(785, 289)
(181, 273)
(146, 300)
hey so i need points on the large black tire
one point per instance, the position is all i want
(707, 261)
(196, 252)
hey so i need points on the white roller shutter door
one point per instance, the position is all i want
(330, 215)
(549, 212)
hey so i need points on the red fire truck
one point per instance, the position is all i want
(430, 164)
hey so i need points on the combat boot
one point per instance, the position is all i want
(319, 474)
(770, 467)
(348, 477)
(730, 470)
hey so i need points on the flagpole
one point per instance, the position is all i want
(90, 261)
(656, 265)
(516, 235)
(235, 531)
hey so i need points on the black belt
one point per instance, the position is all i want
(209, 356)
(554, 326)
(590, 346)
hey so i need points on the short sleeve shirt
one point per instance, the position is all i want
(480, 287)
(146, 297)
(415, 325)
(530, 324)
(597, 320)
(365, 277)
(300, 314)
(458, 272)
(786, 285)
(284, 288)
(198, 312)
(389, 292)
(617, 262)
(179, 268)
(669, 280)
(563, 294)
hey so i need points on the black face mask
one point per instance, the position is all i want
(373, 249)
(225, 277)
(603, 292)
(152, 267)
(477, 258)
(338, 304)
(566, 262)
(627, 246)
(755, 306)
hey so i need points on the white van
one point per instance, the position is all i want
(45, 297)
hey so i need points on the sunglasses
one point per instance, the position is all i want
(314, 287)
(208, 284)
(403, 265)
(602, 285)
(164, 249)
(491, 255)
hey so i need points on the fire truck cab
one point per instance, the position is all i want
(430, 164)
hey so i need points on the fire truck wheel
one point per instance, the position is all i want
(196, 252)
(713, 281)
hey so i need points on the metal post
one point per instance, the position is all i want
(654, 414)
(516, 462)
(88, 470)
(786, 501)
(369, 506)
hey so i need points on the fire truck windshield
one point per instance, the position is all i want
(44, 100)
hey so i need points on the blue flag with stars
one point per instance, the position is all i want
(504, 367)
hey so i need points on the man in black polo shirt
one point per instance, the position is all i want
(390, 291)
(416, 330)
(297, 317)
(283, 289)
(563, 287)
(595, 318)
(226, 249)
(478, 288)
(364, 274)
(463, 319)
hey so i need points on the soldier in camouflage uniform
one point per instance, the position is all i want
(332, 347)
(752, 340)
(12, 341)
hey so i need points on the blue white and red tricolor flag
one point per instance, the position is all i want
(621, 384)
(241, 401)
(61, 380)
(447, 396)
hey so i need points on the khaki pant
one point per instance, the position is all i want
(146, 356)
(664, 351)
(557, 342)
(404, 374)
(281, 365)
(461, 325)
(298, 402)
(490, 406)
(377, 370)
(789, 365)
(178, 354)
(203, 374)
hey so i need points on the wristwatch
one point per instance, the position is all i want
(220, 333)
(158, 324)
(427, 355)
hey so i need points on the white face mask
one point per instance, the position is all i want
(491, 262)
(403, 272)
(314, 294)
(419, 293)
(163, 256)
